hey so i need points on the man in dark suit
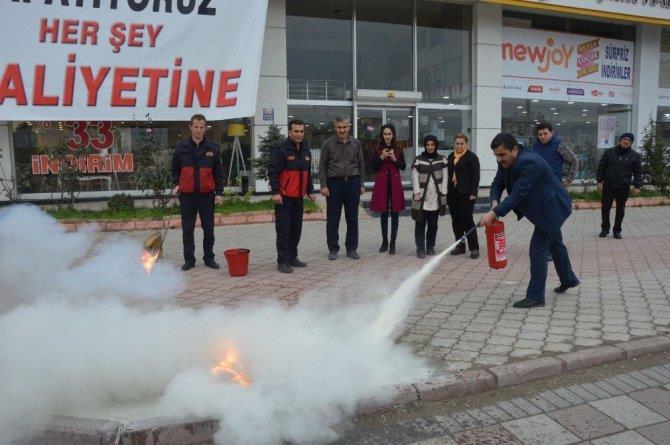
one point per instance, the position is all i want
(533, 191)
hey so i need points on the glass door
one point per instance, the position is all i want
(370, 120)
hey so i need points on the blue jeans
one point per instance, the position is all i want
(541, 244)
(347, 193)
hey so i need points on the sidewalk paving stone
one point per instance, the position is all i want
(657, 399)
(540, 430)
(586, 422)
(627, 411)
(658, 434)
(464, 305)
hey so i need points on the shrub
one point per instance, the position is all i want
(121, 202)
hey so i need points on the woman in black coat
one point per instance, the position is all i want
(462, 188)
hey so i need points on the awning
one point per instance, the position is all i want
(546, 6)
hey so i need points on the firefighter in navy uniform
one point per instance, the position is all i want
(198, 179)
(290, 180)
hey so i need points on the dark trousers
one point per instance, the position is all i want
(347, 193)
(461, 208)
(383, 218)
(288, 224)
(426, 239)
(541, 244)
(190, 206)
(620, 195)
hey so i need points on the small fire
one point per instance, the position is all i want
(148, 260)
(232, 366)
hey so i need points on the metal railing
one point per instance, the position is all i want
(319, 90)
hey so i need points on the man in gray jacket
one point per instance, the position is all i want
(341, 170)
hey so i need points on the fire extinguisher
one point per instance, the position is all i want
(495, 245)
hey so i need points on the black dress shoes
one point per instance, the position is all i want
(284, 268)
(563, 287)
(527, 304)
(296, 263)
(212, 264)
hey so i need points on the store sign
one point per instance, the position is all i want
(96, 135)
(559, 66)
(67, 60)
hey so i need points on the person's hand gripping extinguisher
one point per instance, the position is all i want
(496, 247)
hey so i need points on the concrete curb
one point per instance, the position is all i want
(632, 202)
(170, 431)
(471, 382)
(166, 431)
(267, 216)
(107, 225)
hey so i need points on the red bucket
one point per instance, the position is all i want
(238, 261)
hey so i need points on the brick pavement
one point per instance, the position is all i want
(631, 408)
(463, 318)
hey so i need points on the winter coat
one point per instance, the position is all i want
(467, 174)
(429, 181)
(616, 167)
(533, 191)
(196, 168)
(289, 170)
(388, 181)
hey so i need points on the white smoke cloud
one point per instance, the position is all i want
(73, 347)
(38, 257)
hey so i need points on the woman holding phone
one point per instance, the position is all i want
(388, 197)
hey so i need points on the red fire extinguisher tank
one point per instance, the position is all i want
(495, 245)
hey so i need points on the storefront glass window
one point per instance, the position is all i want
(664, 69)
(443, 52)
(319, 49)
(663, 122)
(370, 120)
(384, 44)
(102, 149)
(568, 24)
(587, 128)
(444, 125)
(318, 127)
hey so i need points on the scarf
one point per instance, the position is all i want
(457, 158)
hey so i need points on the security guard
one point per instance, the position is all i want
(197, 173)
(289, 172)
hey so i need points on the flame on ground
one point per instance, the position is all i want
(148, 260)
(232, 366)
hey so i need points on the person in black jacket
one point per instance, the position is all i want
(462, 188)
(289, 172)
(198, 179)
(615, 169)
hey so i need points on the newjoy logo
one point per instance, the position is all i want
(543, 56)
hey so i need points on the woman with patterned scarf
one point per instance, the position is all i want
(462, 191)
(429, 184)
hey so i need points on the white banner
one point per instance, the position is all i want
(559, 66)
(119, 59)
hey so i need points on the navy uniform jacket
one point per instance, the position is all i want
(533, 191)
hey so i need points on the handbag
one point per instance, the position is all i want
(442, 205)
(417, 207)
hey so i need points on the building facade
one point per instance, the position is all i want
(593, 68)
